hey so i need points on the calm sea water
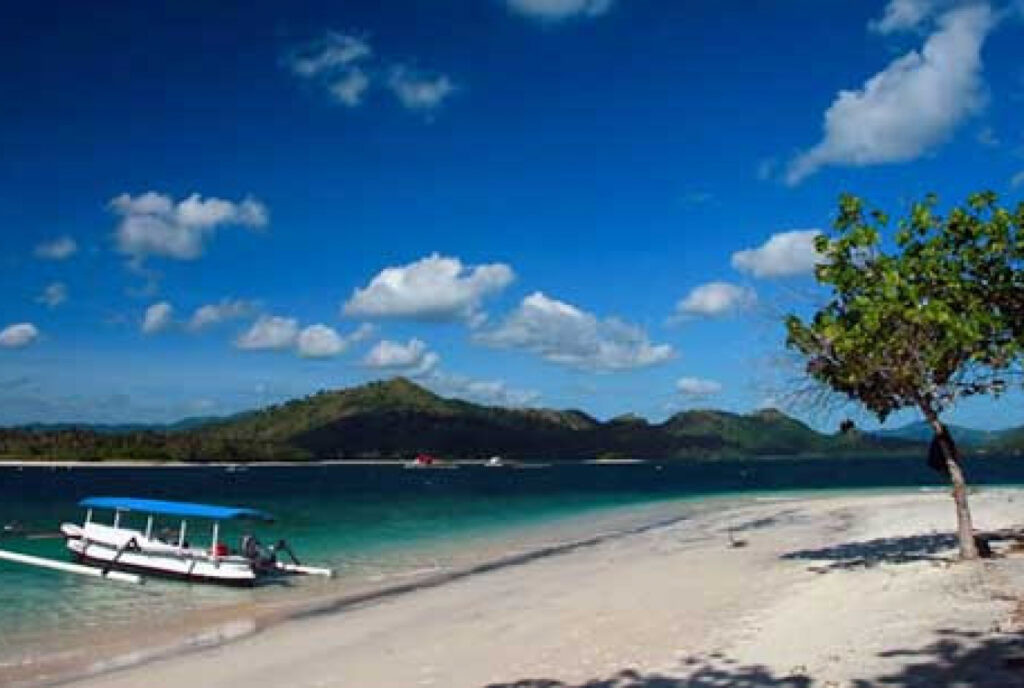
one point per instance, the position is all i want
(375, 522)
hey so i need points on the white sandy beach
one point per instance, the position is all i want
(849, 591)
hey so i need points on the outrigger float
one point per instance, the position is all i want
(118, 552)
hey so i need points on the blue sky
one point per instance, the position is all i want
(600, 204)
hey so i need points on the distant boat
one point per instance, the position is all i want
(495, 462)
(428, 461)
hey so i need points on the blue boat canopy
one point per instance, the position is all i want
(156, 506)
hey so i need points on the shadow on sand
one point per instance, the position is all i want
(868, 553)
(955, 658)
(713, 672)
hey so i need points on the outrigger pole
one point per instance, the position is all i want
(70, 568)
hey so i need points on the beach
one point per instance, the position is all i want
(851, 590)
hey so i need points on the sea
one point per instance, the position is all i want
(376, 525)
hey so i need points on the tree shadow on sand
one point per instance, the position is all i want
(958, 658)
(955, 659)
(868, 553)
(713, 672)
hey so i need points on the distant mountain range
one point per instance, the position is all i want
(398, 418)
(1012, 438)
(125, 428)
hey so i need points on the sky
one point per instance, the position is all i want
(596, 204)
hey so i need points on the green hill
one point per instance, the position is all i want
(921, 431)
(397, 418)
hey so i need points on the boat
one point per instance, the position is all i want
(428, 461)
(167, 552)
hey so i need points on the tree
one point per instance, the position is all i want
(939, 318)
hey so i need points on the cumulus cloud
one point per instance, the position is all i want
(60, 248)
(434, 288)
(554, 10)
(158, 317)
(716, 298)
(153, 224)
(911, 106)
(697, 388)
(322, 341)
(784, 254)
(269, 333)
(906, 15)
(420, 91)
(53, 295)
(561, 333)
(414, 358)
(494, 392)
(215, 313)
(346, 68)
(18, 336)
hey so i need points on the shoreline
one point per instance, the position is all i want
(739, 599)
(218, 626)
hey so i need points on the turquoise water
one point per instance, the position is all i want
(373, 524)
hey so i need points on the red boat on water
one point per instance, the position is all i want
(424, 460)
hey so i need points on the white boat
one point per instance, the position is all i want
(117, 546)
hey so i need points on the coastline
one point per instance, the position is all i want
(869, 573)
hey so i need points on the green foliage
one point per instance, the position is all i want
(396, 419)
(937, 319)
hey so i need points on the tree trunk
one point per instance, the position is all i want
(965, 530)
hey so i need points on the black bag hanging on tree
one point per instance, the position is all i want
(936, 459)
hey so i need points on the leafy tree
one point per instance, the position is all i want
(939, 318)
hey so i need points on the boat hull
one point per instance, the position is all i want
(144, 570)
(128, 550)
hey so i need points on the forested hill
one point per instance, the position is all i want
(398, 418)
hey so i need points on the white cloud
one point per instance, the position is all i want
(345, 66)
(53, 295)
(215, 313)
(564, 334)
(560, 9)
(784, 254)
(269, 332)
(433, 288)
(413, 359)
(696, 387)
(335, 51)
(911, 106)
(153, 224)
(350, 88)
(494, 392)
(419, 91)
(60, 248)
(158, 318)
(321, 341)
(1017, 180)
(337, 63)
(715, 299)
(905, 15)
(18, 336)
